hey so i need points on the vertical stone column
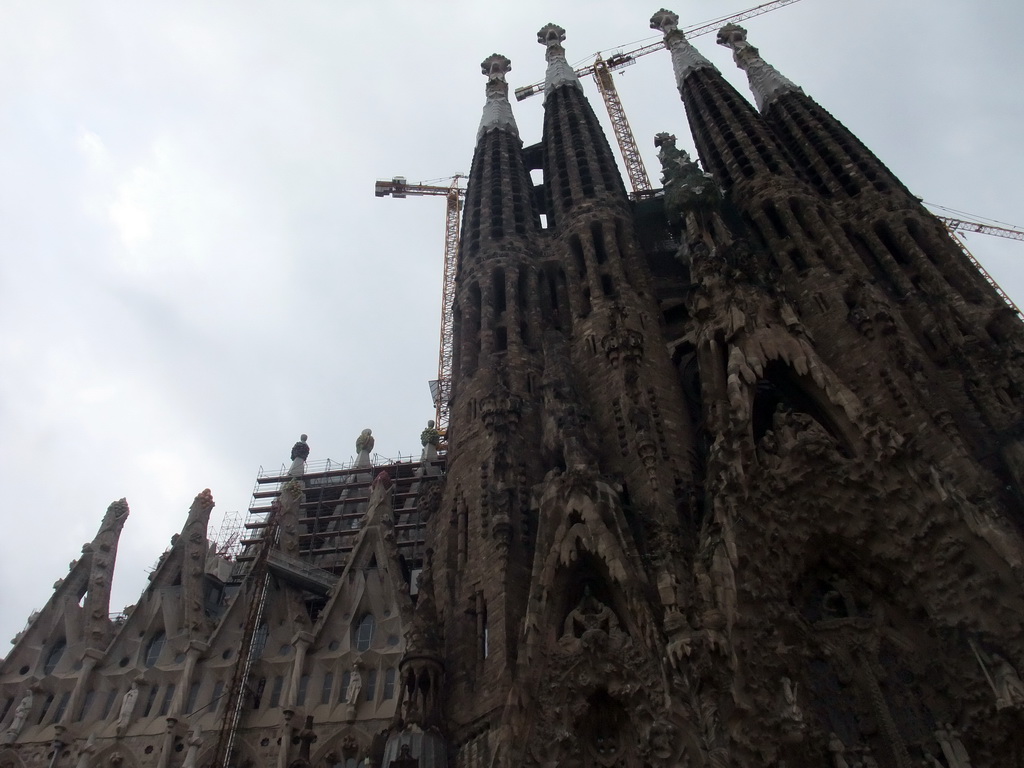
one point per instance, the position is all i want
(301, 641)
(92, 657)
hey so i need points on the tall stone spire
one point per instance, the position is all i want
(766, 82)
(685, 58)
(559, 71)
(497, 110)
(734, 143)
(101, 573)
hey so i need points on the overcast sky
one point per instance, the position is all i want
(194, 268)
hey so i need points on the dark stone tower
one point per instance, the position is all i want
(751, 500)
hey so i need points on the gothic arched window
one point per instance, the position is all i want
(54, 656)
(364, 633)
(155, 648)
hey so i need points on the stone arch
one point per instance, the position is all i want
(587, 579)
(780, 387)
(10, 759)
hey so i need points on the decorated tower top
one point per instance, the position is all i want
(497, 110)
(766, 82)
(685, 58)
(559, 71)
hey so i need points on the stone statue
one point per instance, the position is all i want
(838, 751)
(355, 685)
(300, 452)
(1007, 683)
(429, 439)
(194, 744)
(86, 752)
(791, 711)
(364, 444)
(958, 746)
(20, 716)
(589, 619)
(951, 746)
(127, 707)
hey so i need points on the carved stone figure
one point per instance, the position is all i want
(300, 452)
(429, 439)
(195, 742)
(20, 716)
(958, 746)
(131, 697)
(838, 751)
(791, 711)
(1008, 686)
(588, 617)
(951, 746)
(364, 444)
(355, 685)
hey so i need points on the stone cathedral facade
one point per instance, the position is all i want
(734, 477)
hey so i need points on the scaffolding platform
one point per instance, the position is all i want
(335, 500)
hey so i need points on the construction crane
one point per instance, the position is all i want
(955, 227)
(441, 390)
(602, 69)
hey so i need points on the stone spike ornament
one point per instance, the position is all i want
(766, 82)
(196, 546)
(685, 58)
(101, 572)
(559, 70)
(497, 109)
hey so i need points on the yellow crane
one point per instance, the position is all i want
(441, 390)
(602, 69)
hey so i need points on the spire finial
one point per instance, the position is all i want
(497, 110)
(665, 20)
(765, 81)
(551, 35)
(685, 58)
(496, 66)
(559, 72)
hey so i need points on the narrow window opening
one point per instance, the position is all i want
(193, 695)
(109, 703)
(885, 235)
(90, 696)
(371, 685)
(218, 691)
(498, 284)
(165, 703)
(326, 688)
(500, 339)
(62, 706)
(775, 220)
(275, 692)
(150, 700)
(577, 252)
